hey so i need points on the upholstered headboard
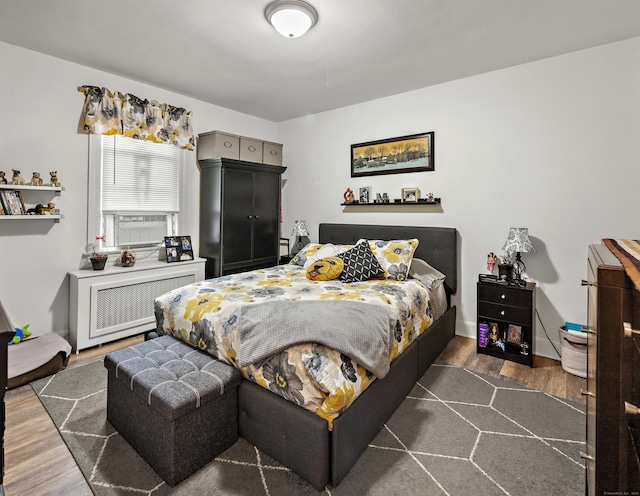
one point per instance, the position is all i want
(438, 245)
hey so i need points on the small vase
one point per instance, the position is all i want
(98, 263)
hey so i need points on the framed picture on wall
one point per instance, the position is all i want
(178, 248)
(413, 153)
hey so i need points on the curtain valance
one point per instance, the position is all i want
(107, 112)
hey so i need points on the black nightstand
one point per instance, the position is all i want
(505, 321)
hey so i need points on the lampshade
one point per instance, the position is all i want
(518, 241)
(291, 18)
(300, 229)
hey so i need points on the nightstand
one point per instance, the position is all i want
(505, 321)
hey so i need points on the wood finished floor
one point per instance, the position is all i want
(37, 462)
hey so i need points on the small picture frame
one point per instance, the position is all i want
(178, 248)
(514, 334)
(410, 195)
(364, 195)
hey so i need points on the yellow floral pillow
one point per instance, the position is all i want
(395, 256)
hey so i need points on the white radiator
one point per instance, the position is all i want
(118, 302)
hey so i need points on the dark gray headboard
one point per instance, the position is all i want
(438, 245)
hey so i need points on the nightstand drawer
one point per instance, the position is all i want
(515, 315)
(509, 296)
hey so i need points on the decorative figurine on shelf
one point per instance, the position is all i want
(3, 180)
(36, 180)
(348, 196)
(491, 261)
(49, 209)
(492, 336)
(37, 210)
(20, 334)
(17, 178)
(54, 178)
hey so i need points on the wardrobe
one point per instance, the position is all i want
(239, 215)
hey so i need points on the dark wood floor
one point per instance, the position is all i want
(38, 462)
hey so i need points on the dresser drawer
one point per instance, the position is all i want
(515, 315)
(509, 296)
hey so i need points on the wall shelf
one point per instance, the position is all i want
(436, 201)
(28, 192)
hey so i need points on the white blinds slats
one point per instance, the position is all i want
(139, 176)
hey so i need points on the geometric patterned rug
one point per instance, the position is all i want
(457, 433)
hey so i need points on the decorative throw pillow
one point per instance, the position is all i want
(360, 264)
(302, 255)
(395, 256)
(426, 274)
(326, 269)
(316, 251)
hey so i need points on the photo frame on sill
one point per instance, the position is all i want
(178, 248)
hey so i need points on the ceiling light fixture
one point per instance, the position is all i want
(291, 18)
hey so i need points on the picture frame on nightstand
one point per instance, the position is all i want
(514, 334)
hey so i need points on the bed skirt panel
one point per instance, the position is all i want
(432, 341)
(297, 438)
(354, 429)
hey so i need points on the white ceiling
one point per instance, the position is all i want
(224, 51)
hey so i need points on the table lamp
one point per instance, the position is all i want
(518, 241)
(301, 233)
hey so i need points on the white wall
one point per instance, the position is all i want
(41, 110)
(551, 145)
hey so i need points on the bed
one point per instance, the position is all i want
(315, 431)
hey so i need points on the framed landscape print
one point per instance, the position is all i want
(413, 153)
(178, 248)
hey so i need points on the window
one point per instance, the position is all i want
(134, 191)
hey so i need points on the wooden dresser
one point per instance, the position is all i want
(611, 455)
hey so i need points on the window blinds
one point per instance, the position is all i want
(139, 176)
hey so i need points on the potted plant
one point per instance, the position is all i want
(98, 260)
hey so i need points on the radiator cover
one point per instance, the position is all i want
(118, 302)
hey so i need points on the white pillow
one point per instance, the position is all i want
(426, 274)
(324, 251)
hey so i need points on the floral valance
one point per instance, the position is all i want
(107, 112)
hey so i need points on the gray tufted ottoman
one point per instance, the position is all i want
(176, 405)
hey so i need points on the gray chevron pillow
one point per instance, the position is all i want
(360, 264)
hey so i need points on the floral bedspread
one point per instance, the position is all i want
(315, 377)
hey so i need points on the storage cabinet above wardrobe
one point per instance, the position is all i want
(239, 215)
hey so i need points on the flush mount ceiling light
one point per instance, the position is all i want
(291, 18)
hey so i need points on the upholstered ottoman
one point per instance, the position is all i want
(176, 405)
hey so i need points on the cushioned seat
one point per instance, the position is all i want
(176, 405)
(35, 358)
